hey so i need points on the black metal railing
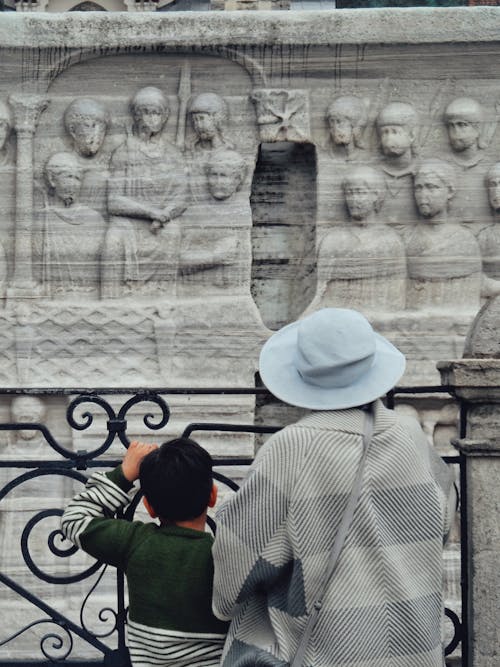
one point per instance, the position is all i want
(58, 644)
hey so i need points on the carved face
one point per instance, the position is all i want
(150, 118)
(395, 140)
(27, 409)
(88, 135)
(360, 199)
(223, 180)
(66, 185)
(431, 195)
(4, 133)
(341, 130)
(462, 134)
(204, 124)
(494, 191)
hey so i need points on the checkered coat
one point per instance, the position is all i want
(383, 606)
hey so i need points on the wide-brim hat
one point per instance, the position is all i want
(330, 360)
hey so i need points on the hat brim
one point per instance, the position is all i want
(281, 377)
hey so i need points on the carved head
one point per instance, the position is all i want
(5, 124)
(434, 186)
(86, 121)
(397, 128)
(29, 409)
(364, 191)
(225, 172)
(493, 185)
(347, 119)
(64, 176)
(150, 110)
(464, 117)
(208, 113)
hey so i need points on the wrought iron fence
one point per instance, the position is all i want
(55, 632)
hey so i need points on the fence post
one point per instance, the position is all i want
(476, 383)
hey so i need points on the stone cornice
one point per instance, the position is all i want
(359, 26)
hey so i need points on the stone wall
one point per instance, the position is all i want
(175, 187)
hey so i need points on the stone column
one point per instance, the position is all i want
(477, 383)
(27, 110)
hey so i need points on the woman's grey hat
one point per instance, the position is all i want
(330, 360)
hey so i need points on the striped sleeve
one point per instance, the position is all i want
(88, 523)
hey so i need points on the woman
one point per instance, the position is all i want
(383, 604)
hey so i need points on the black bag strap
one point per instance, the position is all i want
(338, 543)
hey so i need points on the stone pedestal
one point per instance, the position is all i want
(477, 382)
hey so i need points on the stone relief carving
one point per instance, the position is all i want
(347, 118)
(172, 233)
(470, 131)
(209, 114)
(282, 115)
(72, 234)
(464, 120)
(362, 265)
(489, 238)
(398, 132)
(26, 110)
(5, 131)
(86, 121)
(444, 260)
(216, 250)
(225, 171)
(28, 409)
(146, 196)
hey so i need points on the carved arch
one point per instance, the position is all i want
(87, 6)
(58, 63)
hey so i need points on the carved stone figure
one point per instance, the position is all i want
(397, 127)
(444, 261)
(28, 409)
(489, 238)
(216, 246)
(465, 121)
(208, 113)
(464, 118)
(225, 171)
(86, 121)
(147, 193)
(72, 234)
(347, 118)
(5, 130)
(362, 265)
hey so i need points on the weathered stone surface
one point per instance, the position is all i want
(174, 187)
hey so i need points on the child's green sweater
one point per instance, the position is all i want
(169, 572)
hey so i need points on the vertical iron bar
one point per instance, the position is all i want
(464, 541)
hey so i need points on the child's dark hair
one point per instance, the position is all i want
(177, 480)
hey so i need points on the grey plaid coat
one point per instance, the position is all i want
(383, 606)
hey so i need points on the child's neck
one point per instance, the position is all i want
(194, 524)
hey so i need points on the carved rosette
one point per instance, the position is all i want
(282, 115)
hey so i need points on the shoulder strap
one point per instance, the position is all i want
(338, 542)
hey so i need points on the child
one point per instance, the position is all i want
(169, 566)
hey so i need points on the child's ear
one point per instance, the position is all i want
(149, 508)
(213, 496)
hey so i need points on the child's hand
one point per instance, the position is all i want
(133, 457)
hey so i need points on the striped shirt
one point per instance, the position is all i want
(169, 573)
